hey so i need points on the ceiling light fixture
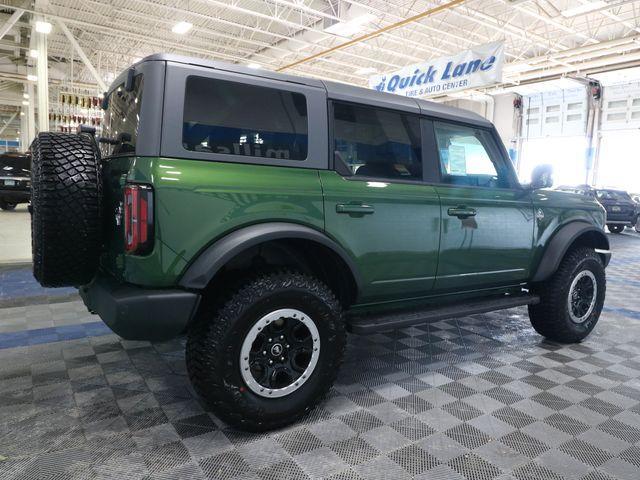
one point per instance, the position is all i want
(43, 27)
(582, 9)
(25, 95)
(33, 53)
(25, 102)
(366, 71)
(255, 66)
(181, 28)
(32, 78)
(348, 28)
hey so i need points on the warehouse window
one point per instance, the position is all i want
(244, 120)
(377, 143)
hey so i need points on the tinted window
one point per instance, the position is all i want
(377, 143)
(465, 158)
(237, 119)
(121, 119)
(613, 195)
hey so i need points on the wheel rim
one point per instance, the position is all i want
(279, 353)
(582, 296)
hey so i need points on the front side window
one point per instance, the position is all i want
(465, 158)
(245, 120)
(121, 119)
(377, 143)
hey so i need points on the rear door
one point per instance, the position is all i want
(487, 218)
(377, 204)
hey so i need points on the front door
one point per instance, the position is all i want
(487, 218)
(378, 207)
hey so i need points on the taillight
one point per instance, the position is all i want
(138, 218)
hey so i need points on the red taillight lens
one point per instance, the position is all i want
(138, 219)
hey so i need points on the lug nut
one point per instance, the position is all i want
(264, 352)
(270, 362)
(271, 340)
(281, 337)
(282, 359)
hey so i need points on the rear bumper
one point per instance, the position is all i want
(137, 313)
(621, 222)
(15, 196)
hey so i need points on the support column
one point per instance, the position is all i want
(31, 110)
(42, 70)
(24, 130)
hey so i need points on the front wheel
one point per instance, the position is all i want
(7, 206)
(572, 299)
(270, 353)
(615, 228)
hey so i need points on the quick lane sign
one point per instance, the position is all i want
(478, 67)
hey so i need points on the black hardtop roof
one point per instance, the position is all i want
(335, 90)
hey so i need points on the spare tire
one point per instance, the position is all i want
(66, 199)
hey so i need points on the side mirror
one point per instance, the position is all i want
(542, 177)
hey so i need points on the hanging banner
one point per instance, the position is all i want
(479, 67)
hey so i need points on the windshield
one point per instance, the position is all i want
(613, 195)
(121, 120)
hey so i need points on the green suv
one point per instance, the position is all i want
(265, 215)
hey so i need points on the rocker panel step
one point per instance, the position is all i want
(399, 319)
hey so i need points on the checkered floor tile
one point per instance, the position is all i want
(480, 397)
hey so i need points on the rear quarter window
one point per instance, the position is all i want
(234, 118)
(122, 119)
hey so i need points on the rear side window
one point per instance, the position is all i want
(121, 119)
(245, 120)
(377, 143)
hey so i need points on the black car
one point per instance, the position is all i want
(622, 211)
(15, 180)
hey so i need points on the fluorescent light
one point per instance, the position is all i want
(32, 78)
(181, 28)
(33, 53)
(25, 102)
(21, 114)
(255, 66)
(348, 28)
(582, 9)
(366, 71)
(25, 95)
(43, 27)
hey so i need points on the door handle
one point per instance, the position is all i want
(355, 208)
(462, 212)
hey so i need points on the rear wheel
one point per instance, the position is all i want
(572, 299)
(615, 228)
(7, 206)
(270, 353)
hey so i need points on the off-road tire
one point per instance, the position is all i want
(215, 339)
(66, 199)
(7, 205)
(616, 228)
(550, 317)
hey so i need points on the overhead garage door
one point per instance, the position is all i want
(619, 159)
(553, 132)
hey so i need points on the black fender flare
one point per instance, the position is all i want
(560, 243)
(199, 273)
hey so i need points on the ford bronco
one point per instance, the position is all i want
(265, 215)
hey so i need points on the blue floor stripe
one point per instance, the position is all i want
(635, 314)
(38, 336)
